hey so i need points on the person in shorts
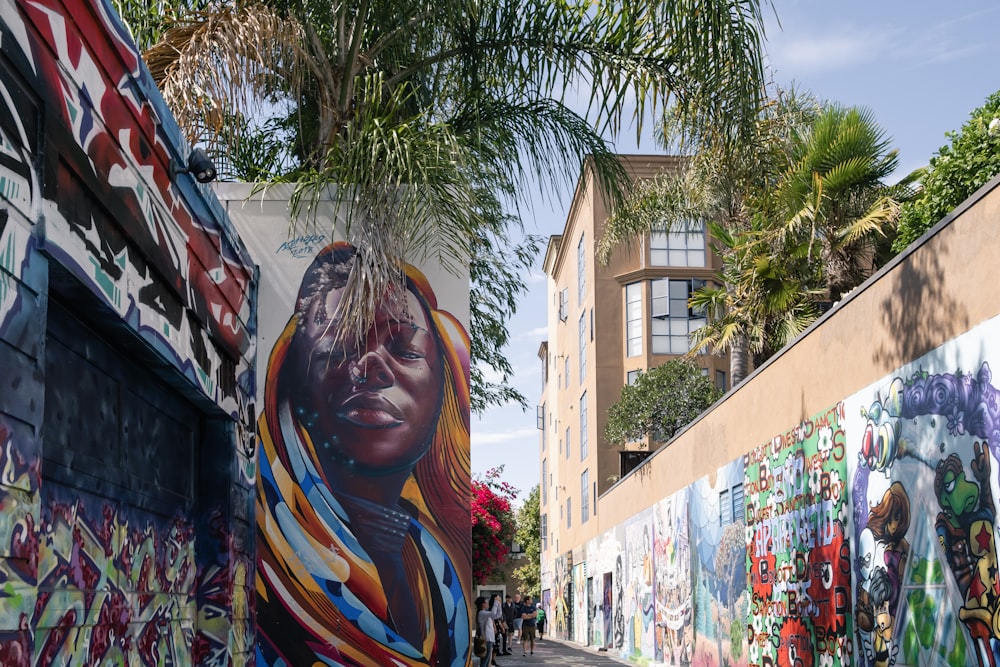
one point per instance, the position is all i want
(509, 612)
(528, 616)
(517, 617)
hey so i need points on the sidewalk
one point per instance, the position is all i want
(556, 652)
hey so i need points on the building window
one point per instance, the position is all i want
(545, 487)
(585, 496)
(582, 336)
(731, 505)
(540, 417)
(684, 246)
(629, 461)
(720, 380)
(569, 512)
(633, 319)
(581, 274)
(543, 529)
(583, 427)
(672, 319)
(567, 442)
(632, 377)
(564, 304)
(566, 369)
(591, 325)
(595, 498)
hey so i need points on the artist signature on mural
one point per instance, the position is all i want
(302, 246)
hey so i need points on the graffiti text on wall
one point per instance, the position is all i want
(798, 558)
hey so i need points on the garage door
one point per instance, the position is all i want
(118, 495)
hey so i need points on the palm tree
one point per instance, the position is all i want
(431, 117)
(799, 214)
(835, 198)
(761, 301)
(729, 185)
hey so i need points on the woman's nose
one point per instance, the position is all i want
(372, 372)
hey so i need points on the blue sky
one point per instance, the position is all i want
(921, 66)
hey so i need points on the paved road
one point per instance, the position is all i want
(555, 652)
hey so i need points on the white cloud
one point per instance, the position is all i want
(800, 54)
(500, 437)
(535, 277)
(537, 334)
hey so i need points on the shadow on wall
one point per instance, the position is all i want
(919, 310)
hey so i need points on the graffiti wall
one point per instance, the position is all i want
(112, 549)
(669, 584)
(924, 483)
(718, 576)
(673, 604)
(562, 598)
(798, 545)
(364, 543)
(865, 535)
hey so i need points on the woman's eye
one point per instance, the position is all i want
(406, 343)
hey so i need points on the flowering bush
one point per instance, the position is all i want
(493, 523)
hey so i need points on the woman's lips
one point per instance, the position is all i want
(370, 410)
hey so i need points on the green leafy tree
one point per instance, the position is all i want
(496, 272)
(660, 403)
(958, 169)
(529, 536)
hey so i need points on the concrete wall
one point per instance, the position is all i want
(867, 459)
(155, 295)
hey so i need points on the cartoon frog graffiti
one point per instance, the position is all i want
(965, 532)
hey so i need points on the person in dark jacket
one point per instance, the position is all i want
(509, 610)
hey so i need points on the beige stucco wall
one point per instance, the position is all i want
(941, 287)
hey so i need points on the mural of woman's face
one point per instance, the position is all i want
(374, 403)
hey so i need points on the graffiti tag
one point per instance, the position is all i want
(302, 246)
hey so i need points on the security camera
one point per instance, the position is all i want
(199, 165)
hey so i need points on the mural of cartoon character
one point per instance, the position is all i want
(606, 609)
(619, 631)
(881, 443)
(882, 553)
(370, 432)
(965, 532)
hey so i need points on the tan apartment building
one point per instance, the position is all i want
(606, 323)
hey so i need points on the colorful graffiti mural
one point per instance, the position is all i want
(721, 598)
(91, 215)
(364, 540)
(561, 619)
(673, 604)
(869, 537)
(924, 489)
(798, 547)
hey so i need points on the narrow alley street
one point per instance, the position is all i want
(555, 652)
